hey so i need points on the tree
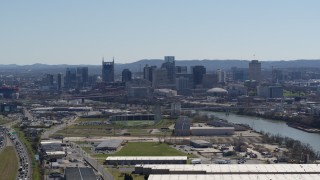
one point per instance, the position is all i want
(128, 177)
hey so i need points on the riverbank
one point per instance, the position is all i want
(274, 127)
(303, 128)
(294, 122)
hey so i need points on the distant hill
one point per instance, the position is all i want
(223, 64)
(211, 65)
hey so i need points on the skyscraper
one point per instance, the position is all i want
(71, 78)
(169, 64)
(60, 81)
(181, 69)
(198, 72)
(255, 70)
(126, 75)
(82, 76)
(221, 76)
(148, 71)
(159, 78)
(108, 71)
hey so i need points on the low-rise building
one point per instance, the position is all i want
(133, 160)
(79, 173)
(210, 131)
(111, 145)
(227, 169)
(200, 143)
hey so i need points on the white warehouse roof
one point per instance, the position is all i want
(243, 168)
(146, 158)
(236, 177)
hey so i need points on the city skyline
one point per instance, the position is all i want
(79, 32)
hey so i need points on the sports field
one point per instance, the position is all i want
(8, 164)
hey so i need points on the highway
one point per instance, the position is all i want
(24, 171)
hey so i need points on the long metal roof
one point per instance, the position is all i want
(146, 158)
(236, 177)
(240, 168)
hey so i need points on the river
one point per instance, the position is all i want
(272, 127)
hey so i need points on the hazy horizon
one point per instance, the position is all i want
(162, 59)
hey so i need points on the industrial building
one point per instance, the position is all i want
(235, 176)
(200, 143)
(270, 91)
(52, 149)
(79, 173)
(8, 107)
(211, 131)
(111, 145)
(228, 169)
(133, 117)
(133, 160)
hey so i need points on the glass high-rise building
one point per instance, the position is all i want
(108, 71)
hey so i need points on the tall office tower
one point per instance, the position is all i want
(70, 78)
(198, 72)
(82, 76)
(159, 78)
(48, 80)
(221, 76)
(255, 70)
(126, 75)
(60, 81)
(239, 74)
(210, 80)
(169, 64)
(108, 71)
(148, 71)
(181, 69)
(277, 75)
(184, 81)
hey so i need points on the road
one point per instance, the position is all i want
(67, 122)
(94, 163)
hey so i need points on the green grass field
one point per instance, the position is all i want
(145, 149)
(136, 128)
(8, 163)
(292, 94)
(3, 120)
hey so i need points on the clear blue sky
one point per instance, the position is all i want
(82, 31)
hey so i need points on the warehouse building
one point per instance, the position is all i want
(133, 117)
(211, 131)
(235, 176)
(79, 173)
(133, 160)
(228, 169)
(200, 144)
(111, 145)
(52, 149)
